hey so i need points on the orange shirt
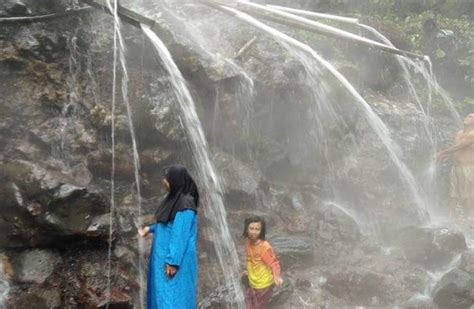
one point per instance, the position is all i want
(262, 264)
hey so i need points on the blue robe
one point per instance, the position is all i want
(174, 243)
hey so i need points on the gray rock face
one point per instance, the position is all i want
(337, 225)
(218, 298)
(37, 265)
(421, 302)
(241, 182)
(16, 8)
(431, 247)
(280, 294)
(48, 204)
(455, 290)
(467, 262)
(166, 113)
(292, 247)
(357, 286)
(38, 298)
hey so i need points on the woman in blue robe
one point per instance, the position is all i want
(172, 271)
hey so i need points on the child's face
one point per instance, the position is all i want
(254, 230)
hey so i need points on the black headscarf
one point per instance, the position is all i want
(183, 194)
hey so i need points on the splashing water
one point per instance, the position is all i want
(435, 277)
(215, 210)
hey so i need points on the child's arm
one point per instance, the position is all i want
(271, 260)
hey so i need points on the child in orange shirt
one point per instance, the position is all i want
(263, 267)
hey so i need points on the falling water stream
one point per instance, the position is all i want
(210, 182)
(112, 172)
(119, 55)
(206, 173)
(308, 57)
(4, 287)
(69, 109)
(432, 87)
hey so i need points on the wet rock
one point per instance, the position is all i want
(28, 44)
(455, 290)
(45, 7)
(419, 302)
(26, 301)
(431, 247)
(37, 265)
(289, 208)
(220, 297)
(118, 305)
(281, 294)
(357, 286)
(81, 214)
(155, 158)
(83, 278)
(47, 205)
(467, 262)
(336, 224)
(51, 296)
(98, 162)
(125, 254)
(42, 45)
(58, 131)
(99, 225)
(81, 175)
(290, 248)
(166, 114)
(6, 268)
(241, 181)
(92, 277)
(16, 8)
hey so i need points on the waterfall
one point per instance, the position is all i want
(207, 176)
(119, 52)
(308, 57)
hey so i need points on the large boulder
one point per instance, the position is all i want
(16, 8)
(292, 248)
(42, 204)
(241, 181)
(431, 247)
(36, 266)
(419, 302)
(220, 297)
(336, 224)
(358, 286)
(32, 7)
(6, 273)
(467, 262)
(455, 290)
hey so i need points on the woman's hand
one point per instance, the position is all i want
(170, 271)
(278, 281)
(144, 231)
